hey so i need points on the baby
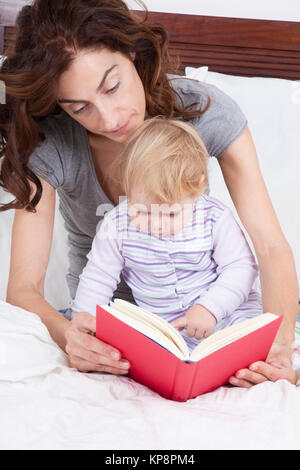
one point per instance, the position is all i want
(180, 251)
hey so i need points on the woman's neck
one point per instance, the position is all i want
(104, 152)
(99, 142)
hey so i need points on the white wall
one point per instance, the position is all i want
(288, 10)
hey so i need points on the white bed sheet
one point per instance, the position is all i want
(44, 404)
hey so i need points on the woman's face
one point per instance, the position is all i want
(103, 91)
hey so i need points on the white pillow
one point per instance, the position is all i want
(272, 107)
(198, 74)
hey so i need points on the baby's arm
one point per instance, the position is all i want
(237, 271)
(100, 277)
(236, 268)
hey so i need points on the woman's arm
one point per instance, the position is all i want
(30, 251)
(278, 276)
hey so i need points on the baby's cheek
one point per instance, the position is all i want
(176, 225)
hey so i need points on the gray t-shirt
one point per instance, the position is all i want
(65, 161)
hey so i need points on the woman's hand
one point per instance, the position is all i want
(277, 366)
(89, 354)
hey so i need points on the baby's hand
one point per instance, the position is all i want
(198, 321)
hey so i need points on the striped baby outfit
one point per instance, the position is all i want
(208, 262)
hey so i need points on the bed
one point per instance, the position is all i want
(44, 404)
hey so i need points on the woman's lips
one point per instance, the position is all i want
(121, 129)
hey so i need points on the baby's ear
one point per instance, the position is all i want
(202, 182)
(202, 179)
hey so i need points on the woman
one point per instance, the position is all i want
(82, 78)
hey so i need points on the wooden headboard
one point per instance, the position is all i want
(234, 46)
(229, 45)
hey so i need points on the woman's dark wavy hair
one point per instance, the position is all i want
(49, 34)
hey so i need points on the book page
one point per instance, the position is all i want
(140, 314)
(230, 334)
(147, 329)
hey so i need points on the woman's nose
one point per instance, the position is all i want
(109, 117)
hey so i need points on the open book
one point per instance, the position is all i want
(160, 358)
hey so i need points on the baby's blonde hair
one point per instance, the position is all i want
(166, 159)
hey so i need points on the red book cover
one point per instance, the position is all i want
(156, 367)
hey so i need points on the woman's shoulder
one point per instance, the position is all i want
(56, 127)
(222, 123)
(190, 88)
(61, 142)
(186, 87)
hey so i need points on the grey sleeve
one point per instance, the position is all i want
(46, 160)
(222, 123)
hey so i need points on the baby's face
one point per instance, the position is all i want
(159, 219)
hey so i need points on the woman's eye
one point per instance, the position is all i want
(108, 91)
(81, 109)
(114, 88)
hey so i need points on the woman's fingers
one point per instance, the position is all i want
(93, 352)
(274, 372)
(90, 343)
(74, 349)
(87, 353)
(260, 372)
(240, 383)
(85, 322)
(246, 378)
(86, 366)
(85, 359)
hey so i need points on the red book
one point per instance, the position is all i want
(169, 369)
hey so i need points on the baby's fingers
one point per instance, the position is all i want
(191, 331)
(179, 323)
(199, 333)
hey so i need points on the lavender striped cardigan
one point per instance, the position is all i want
(209, 263)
